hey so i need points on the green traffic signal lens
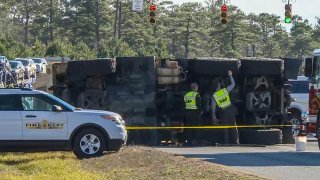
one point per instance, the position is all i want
(287, 20)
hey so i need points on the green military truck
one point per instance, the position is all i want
(149, 92)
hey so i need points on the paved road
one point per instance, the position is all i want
(276, 162)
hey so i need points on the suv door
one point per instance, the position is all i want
(40, 121)
(10, 117)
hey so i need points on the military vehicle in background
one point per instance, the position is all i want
(149, 92)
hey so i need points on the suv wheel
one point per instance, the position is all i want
(89, 143)
(296, 122)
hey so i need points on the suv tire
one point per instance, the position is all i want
(89, 143)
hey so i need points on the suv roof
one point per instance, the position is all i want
(300, 78)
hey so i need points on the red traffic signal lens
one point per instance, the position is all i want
(153, 7)
(224, 8)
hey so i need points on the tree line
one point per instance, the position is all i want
(84, 29)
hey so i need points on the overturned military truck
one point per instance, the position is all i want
(149, 92)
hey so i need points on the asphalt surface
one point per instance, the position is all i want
(275, 162)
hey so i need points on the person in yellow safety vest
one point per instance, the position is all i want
(226, 111)
(192, 101)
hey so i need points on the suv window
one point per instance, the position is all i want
(299, 87)
(37, 102)
(9, 103)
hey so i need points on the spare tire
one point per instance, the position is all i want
(261, 66)
(214, 66)
(260, 136)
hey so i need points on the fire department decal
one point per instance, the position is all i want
(45, 124)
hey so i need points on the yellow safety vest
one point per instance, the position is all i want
(190, 100)
(222, 98)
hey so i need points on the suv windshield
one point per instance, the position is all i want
(2, 59)
(24, 62)
(299, 86)
(61, 101)
(38, 61)
(13, 65)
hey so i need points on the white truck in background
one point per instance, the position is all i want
(299, 107)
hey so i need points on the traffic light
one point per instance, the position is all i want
(152, 14)
(224, 14)
(288, 13)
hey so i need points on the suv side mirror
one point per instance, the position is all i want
(56, 108)
(308, 64)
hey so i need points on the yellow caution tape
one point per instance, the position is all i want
(201, 127)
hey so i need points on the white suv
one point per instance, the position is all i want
(299, 107)
(35, 120)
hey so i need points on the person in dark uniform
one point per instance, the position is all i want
(192, 101)
(226, 111)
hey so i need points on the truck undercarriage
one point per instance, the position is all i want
(149, 92)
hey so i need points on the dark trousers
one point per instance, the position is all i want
(191, 119)
(228, 117)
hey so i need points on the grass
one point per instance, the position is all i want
(132, 162)
(52, 165)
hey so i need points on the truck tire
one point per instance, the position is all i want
(80, 69)
(291, 68)
(260, 136)
(89, 143)
(287, 137)
(214, 66)
(261, 66)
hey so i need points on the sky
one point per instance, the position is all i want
(308, 9)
